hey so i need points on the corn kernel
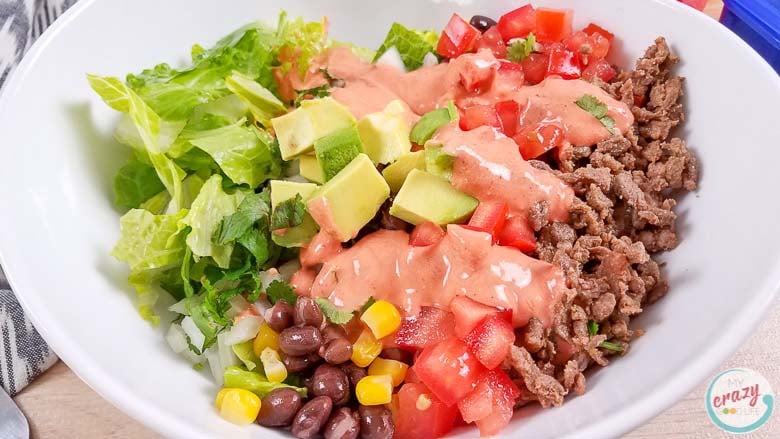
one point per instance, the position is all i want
(396, 369)
(374, 390)
(382, 318)
(266, 338)
(274, 369)
(365, 349)
(238, 406)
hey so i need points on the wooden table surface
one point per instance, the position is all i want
(59, 405)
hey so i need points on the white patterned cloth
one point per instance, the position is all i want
(23, 353)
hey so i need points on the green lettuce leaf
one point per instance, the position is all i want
(301, 41)
(412, 44)
(245, 352)
(237, 377)
(204, 217)
(135, 183)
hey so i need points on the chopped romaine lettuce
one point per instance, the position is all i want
(135, 183)
(411, 44)
(237, 377)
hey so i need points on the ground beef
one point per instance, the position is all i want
(625, 190)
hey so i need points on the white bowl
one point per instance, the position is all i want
(58, 225)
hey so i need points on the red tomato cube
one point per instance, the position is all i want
(430, 326)
(490, 216)
(457, 38)
(519, 234)
(599, 69)
(421, 415)
(503, 393)
(509, 115)
(480, 115)
(535, 67)
(518, 23)
(449, 369)
(492, 40)
(490, 341)
(553, 24)
(425, 234)
(564, 63)
(510, 73)
(594, 28)
(535, 140)
(469, 313)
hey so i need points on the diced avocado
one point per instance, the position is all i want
(337, 150)
(385, 134)
(396, 173)
(300, 235)
(262, 103)
(427, 197)
(347, 202)
(425, 128)
(297, 130)
(438, 162)
(309, 167)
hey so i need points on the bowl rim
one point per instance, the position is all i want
(626, 419)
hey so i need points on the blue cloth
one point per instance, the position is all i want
(23, 353)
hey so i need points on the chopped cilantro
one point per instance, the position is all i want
(311, 93)
(593, 328)
(279, 290)
(519, 50)
(611, 346)
(253, 208)
(333, 314)
(597, 109)
(288, 213)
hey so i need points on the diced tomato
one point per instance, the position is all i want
(457, 38)
(600, 69)
(509, 114)
(492, 40)
(490, 341)
(594, 28)
(553, 24)
(564, 63)
(477, 76)
(589, 48)
(697, 4)
(428, 327)
(425, 234)
(575, 42)
(535, 140)
(491, 403)
(421, 415)
(518, 23)
(510, 72)
(480, 115)
(490, 216)
(449, 369)
(469, 314)
(535, 67)
(518, 233)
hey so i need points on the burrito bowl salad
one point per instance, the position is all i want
(398, 242)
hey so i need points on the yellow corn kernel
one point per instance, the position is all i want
(238, 406)
(382, 318)
(365, 349)
(396, 369)
(274, 369)
(374, 390)
(266, 338)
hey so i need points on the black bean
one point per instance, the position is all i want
(300, 340)
(482, 23)
(297, 364)
(280, 316)
(376, 422)
(354, 373)
(336, 351)
(307, 312)
(397, 355)
(278, 408)
(312, 417)
(332, 382)
(343, 424)
(331, 331)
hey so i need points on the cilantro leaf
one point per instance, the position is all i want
(311, 93)
(253, 208)
(519, 50)
(593, 328)
(412, 44)
(368, 304)
(288, 213)
(597, 109)
(611, 346)
(279, 290)
(333, 314)
(257, 243)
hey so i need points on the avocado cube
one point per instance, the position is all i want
(438, 162)
(337, 150)
(310, 169)
(430, 122)
(396, 173)
(427, 197)
(385, 134)
(301, 234)
(297, 130)
(262, 103)
(348, 201)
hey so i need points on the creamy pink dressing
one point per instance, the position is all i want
(383, 265)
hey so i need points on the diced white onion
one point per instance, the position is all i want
(266, 277)
(262, 306)
(226, 355)
(237, 305)
(430, 59)
(392, 58)
(212, 355)
(176, 338)
(244, 329)
(287, 269)
(191, 329)
(179, 307)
